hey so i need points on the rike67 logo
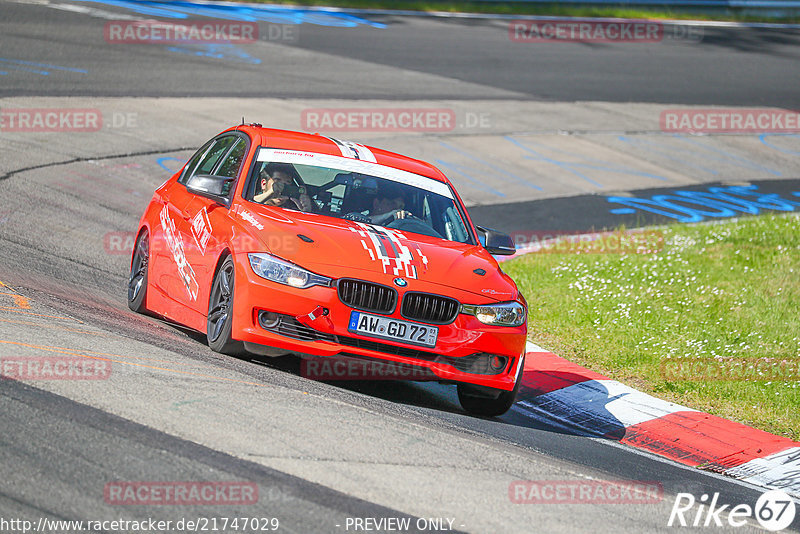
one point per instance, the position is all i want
(774, 511)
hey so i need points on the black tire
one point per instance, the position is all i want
(220, 312)
(137, 281)
(485, 406)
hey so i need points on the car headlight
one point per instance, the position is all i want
(275, 269)
(502, 314)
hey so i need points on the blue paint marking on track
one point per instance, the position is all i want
(36, 68)
(511, 175)
(665, 151)
(154, 9)
(160, 162)
(763, 138)
(571, 166)
(217, 51)
(276, 14)
(478, 184)
(562, 164)
(727, 157)
(716, 202)
(28, 69)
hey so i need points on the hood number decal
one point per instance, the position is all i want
(392, 249)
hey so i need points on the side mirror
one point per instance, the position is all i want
(210, 186)
(496, 242)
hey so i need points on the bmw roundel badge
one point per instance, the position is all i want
(400, 282)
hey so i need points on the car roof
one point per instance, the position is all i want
(291, 140)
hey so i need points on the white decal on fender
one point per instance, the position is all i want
(176, 247)
(247, 216)
(201, 230)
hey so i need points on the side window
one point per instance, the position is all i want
(204, 161)
(194, 161)
(218, 150)
(233, 162)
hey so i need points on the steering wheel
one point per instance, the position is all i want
(407, 217)
(393, 216)
(357, 216)
(414, 224)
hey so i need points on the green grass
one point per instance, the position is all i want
(715, 291)
(554, 9)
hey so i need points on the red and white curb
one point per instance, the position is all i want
(580, 400)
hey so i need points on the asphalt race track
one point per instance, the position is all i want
(536, 126)
(729, 66)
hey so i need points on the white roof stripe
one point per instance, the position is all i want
(354, 150)
(343, 149)
(364, 153)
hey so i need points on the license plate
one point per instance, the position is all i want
(385, 328)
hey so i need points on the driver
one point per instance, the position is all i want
(274, 179)
(388, 205)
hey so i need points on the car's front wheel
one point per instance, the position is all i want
(137, 281)
(476, 403)
(220, 311)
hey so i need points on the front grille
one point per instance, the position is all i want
(428, 308)
(367, 296)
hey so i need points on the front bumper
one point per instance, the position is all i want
(457, 356)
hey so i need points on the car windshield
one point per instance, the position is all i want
(357, 190)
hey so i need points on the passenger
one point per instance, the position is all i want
(274, 180)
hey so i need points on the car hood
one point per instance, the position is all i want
(341, 248)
